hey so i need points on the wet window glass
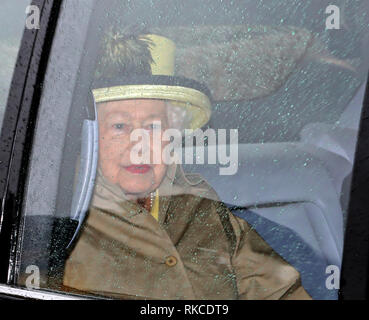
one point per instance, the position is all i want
(198, 149)
(12, 23)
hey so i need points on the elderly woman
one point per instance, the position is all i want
(154, 232)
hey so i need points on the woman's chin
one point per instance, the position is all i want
(134, 191)
(139, 185)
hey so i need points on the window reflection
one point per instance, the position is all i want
(12, 22)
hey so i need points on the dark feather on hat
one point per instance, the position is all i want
(124, 51)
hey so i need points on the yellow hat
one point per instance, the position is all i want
(130, 79)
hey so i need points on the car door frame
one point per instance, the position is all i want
(354, 277)
(18, 128)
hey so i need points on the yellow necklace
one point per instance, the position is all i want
(154, 204)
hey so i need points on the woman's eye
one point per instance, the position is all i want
(119, 126)
(154, 126)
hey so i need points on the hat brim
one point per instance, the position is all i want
(196, 102)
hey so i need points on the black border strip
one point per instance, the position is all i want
(19, 125)
(355, 264)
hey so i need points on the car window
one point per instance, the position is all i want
(259, 106)
(12, 22)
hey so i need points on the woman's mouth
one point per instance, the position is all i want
(138, 169)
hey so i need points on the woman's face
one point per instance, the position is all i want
(117, 119)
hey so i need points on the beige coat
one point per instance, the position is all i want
(197, 249)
